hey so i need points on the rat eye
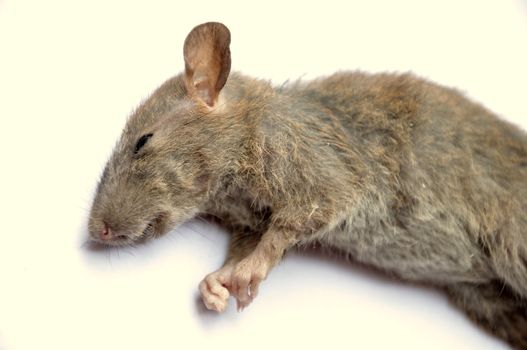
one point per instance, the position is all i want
(141, 142)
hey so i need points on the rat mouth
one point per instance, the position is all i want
(154, 227)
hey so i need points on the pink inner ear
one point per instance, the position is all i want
(203, 90)
(207, 61)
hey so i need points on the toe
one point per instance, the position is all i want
(242, 289)
(214, 295)
(217, 289)
(253, 289)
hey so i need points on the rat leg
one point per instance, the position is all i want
(214, 288)
(249, 272)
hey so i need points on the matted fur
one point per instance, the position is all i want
(400, 173)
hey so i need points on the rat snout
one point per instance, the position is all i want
(103, 232)
(106, 233)
(115, 232)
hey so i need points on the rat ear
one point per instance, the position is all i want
(207, 61)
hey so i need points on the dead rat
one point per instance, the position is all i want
(394, 171)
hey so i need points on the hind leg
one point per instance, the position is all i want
(496, 308)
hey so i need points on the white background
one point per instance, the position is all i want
(72, 71)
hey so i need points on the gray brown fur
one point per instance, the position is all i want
(399, 173)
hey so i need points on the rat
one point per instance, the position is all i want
(396, 172)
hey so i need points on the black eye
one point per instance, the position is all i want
(141, 142)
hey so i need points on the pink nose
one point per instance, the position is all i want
(106, 233)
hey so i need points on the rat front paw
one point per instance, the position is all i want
(246, 278)
(213, 289)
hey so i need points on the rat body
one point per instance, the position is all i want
(394, 171)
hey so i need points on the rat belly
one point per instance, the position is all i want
(428, 255)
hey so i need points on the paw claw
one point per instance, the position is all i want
(246, 279)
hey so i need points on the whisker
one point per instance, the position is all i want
(130, 251)
(84, 244)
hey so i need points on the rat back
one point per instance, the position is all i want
(448, 180)
(447, 197)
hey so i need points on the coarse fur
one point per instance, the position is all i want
(397, 172)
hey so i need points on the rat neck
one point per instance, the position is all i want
(268, 138)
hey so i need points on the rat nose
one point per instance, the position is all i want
(106, 233)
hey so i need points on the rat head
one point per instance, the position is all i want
(160, 172)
